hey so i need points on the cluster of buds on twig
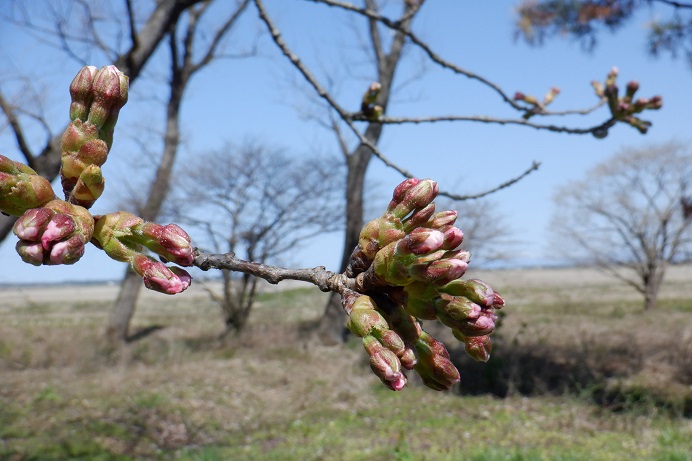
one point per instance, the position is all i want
(53, 231)
(369, 107)
(124, 236)
(535, 105)
(623, 108)
(97, 97)
(407, 268)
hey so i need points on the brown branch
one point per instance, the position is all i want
(484, 119)
(396, 25)
(534, 167)
(325, 280)
(13, 120)
(675, 4)
(324, 94)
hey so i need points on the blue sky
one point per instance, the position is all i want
(258, 98)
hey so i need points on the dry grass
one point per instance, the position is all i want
(275, 394)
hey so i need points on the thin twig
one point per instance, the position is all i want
(504, 185)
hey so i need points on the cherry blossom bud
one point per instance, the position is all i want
(550, 95)
(62, 230)
(379, 233)
(81, 93)
(456, 311)
(31, 224)
(477, 347)
(160, 278)
(170, 241)
(364, 320)
(110, 95)
(418, 196)
(442, 219)
(423, 240)
(439, 272)
(631, 88)
(384, 363)
(453, 236)
(483, 325)
(434, 366)
(419, 218)
(30, 252)
(598, 88)
(475, 290)
(21, 189)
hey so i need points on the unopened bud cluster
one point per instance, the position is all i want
(534, 104)
(408, 268)
(624, 108)
(124, 236)
(369, 107)
(53, 231)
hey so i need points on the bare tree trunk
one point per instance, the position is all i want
(118, 329)
(332, 323)
(331, 326)
(131, 63)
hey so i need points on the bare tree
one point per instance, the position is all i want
(259, 204)
(628, 216)
(138, 33)
(359, 132)
(187, 57)
(668, 31)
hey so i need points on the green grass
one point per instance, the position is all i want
(180, 394)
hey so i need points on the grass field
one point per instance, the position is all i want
(579, 373)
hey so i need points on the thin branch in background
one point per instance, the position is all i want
(344, 115)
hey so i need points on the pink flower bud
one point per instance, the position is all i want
(160, 278)
(66, 251)
(58, 228)
(420, 195)
(110, 94)
(423, 240)
(30, 252)
(81, 93)
(477, 347)
(439, 272)
(443, 218)
(31, 224)
(483, 325)
(475, 290)
(434, 366)
(419, 218)
(456, 311)
(453, 236)
(385, 364)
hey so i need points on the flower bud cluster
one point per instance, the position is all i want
(97, 97)
(369, 107)
(623, 108)
(55, 233)
(536, 105)
(21, 188)
(124, 236)
(408, 268)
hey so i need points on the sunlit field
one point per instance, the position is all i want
(579, 372)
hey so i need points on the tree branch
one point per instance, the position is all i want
(325, 280)
(504, 185)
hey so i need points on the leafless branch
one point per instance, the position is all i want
(486, 119)
(325, 280)
(504, 185)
